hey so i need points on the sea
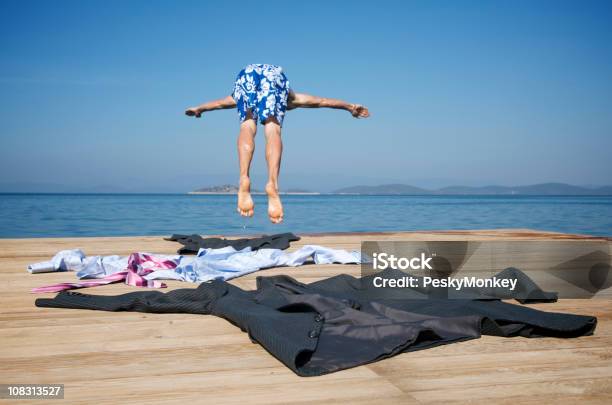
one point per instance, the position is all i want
(74, 215)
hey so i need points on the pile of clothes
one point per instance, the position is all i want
(216, 259)
(313, 329)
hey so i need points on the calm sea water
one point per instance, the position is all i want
(39, 215)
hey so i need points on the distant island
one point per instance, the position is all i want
(232, 189)
(223, 189)
(404, 189)
(535, 189)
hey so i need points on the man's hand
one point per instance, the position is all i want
(359, 111)
(193, 112)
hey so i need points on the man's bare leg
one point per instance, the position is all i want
(246, 147)
(274, 151)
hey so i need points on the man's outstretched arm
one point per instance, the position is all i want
(297, 100)
(220, 104)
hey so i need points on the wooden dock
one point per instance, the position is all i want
(105, 357)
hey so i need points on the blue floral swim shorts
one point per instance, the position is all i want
(263, 90)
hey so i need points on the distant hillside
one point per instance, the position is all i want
(536, 189)
(383, 189)
(299, 191)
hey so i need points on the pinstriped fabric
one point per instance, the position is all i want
(340, 322)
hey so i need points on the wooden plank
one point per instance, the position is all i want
(175, 358)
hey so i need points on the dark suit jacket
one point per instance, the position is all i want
(342, 322)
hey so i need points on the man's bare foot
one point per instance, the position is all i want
(245, 202)
(275, 207)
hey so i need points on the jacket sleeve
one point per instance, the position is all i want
(186, 300)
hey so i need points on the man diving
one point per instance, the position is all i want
(262, 93)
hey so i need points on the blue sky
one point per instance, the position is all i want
(92, 93)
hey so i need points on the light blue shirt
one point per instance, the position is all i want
(209, 264)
